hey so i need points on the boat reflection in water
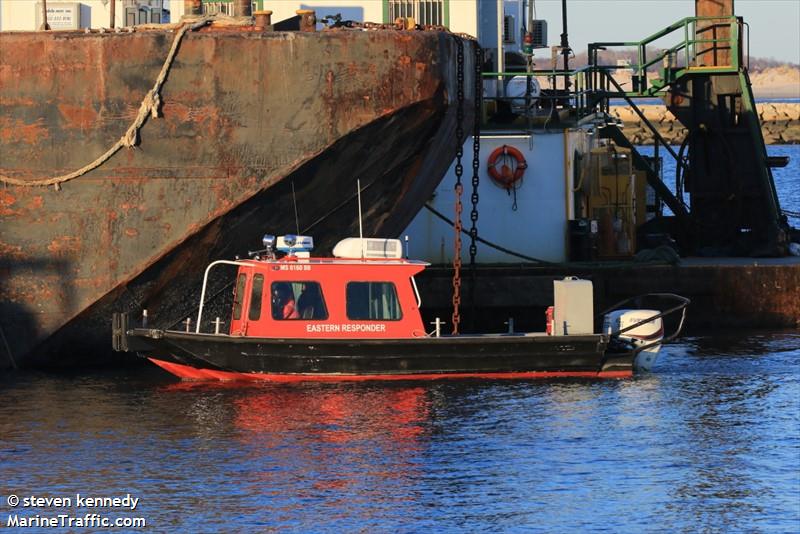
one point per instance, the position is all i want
(348, 427)
(337, 415)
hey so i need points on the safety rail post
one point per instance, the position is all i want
(642, 68)
(746, 56)
(686, 42)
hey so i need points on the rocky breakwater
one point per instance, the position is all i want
(780, 123)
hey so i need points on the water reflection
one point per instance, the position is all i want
(336, 414)
(330, 436)
(709, 442)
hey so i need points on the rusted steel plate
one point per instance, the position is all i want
(241, 112)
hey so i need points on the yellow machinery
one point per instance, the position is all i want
(615, 200)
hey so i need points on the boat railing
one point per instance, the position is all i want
(205, 285)
(416, 292)
(682, 305)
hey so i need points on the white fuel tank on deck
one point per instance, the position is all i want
(544, 199)
(573, 307)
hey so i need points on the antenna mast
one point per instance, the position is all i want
(360, 224)
(296, 219)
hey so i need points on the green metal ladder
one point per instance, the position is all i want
(705, 83)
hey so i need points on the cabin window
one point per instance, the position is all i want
(238, 296)
(255, 297)
(298, 300)
(372, 301)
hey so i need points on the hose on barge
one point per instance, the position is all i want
(489, 243)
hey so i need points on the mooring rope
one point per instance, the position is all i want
(149, 107)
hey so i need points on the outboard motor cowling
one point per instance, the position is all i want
(649, 332)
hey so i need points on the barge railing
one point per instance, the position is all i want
(594, 85)
(724, 50)
(585, 93)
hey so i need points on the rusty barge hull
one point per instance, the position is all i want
(726, 293)
(246, 114)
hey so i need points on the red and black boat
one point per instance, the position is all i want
(356, 316)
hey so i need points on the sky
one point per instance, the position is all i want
(774, 24)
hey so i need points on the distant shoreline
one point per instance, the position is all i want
(773, 83)
(780, 123)
(776, 82)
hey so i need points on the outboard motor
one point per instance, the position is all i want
(647, 334)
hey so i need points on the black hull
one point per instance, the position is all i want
(504, 356)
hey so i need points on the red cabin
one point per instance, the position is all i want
(366, 290)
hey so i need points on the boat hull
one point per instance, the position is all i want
(221, 357)
(250, 122)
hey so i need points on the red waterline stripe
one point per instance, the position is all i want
(191, 373)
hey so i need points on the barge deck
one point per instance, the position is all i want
(725, 292)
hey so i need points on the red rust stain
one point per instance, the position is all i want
(77, 116)
(329, 78)
(209, 119)
(64, 245)
(15, 129)
(127, 206)
(404, 60)
(176, 110)
(131, 232)
(11, 251)
(6, 201)
(45, 293)
(17, 101)
(36, 203)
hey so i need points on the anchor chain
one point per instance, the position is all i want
(476, 163)
(459, 189)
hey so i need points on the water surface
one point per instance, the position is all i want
(710, 442)
(787, 179)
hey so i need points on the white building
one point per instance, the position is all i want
(473, 17)
(26, 15)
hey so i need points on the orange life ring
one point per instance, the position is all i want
(506, 176)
